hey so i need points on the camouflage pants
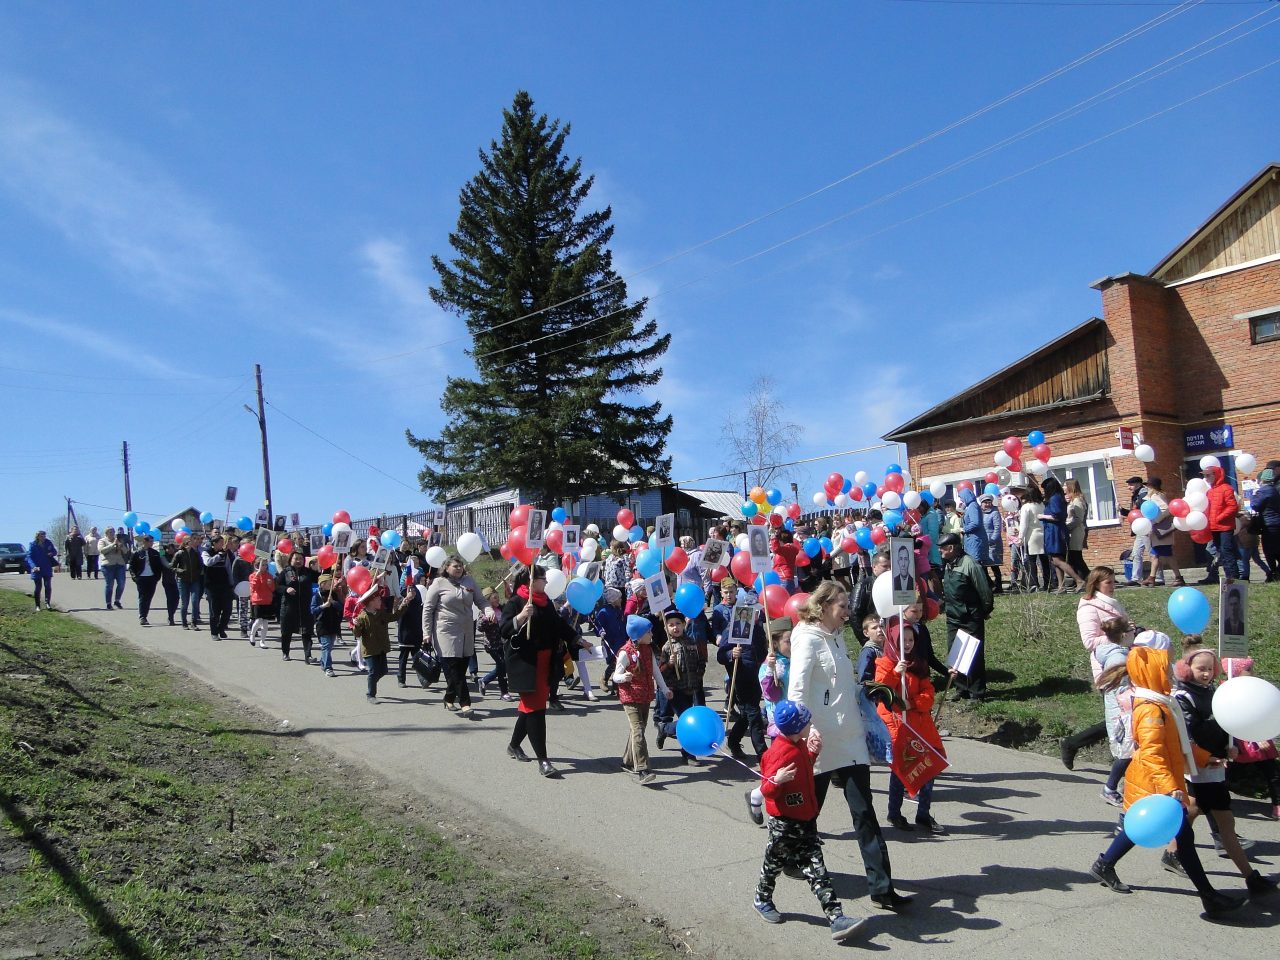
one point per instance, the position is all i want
(795, 843)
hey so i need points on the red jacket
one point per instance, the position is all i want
(796, 800)
(784, 559)
(262, 586)
(1222, 505)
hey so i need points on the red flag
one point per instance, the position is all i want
(915, 760)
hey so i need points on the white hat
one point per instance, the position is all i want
(1153, 639)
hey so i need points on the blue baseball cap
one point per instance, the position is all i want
(637, 627)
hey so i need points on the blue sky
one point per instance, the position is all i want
(189, 189)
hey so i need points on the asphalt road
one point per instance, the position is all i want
(1009, 880)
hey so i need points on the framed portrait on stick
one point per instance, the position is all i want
(743, 623)
(572, 537)
(665, 530)
(342, 542)
(264, 542)
(714, 554)
(1233, 628)
(758, 547)
(535, 533)
(656, 589)
(902, 567)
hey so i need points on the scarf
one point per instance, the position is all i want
(539, 599)
(1175, 710)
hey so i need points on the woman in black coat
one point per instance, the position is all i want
(293, 586)
(532, 632)
(409, 630)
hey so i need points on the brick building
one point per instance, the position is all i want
(1186, 356)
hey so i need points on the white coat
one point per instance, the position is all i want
(824, 678)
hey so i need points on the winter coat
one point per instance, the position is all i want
(448, 616)
(824, 679)
(409, 631)
(975, 531)
(966, 595)
(1053, 523)
(993, 523)
(262, 588)
(611, 627)
(1266, 501)
(1029, 529)
(187, 565)
(41, 557)
(74, 546)
(1157, 765)
(919, 700)
(1222, 505)
(328, 619)
(295, 608)
(522, 642)
(1091, 614)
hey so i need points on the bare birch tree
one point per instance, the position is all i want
(756, 438)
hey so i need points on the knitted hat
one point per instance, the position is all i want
(790, 717)
(1267, 476)
(1234, 666)
(637, 627)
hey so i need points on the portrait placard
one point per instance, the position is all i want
(758, 547)
(902, 565)
(1233, 628)
(664, 531)
(743, 624)
(264, 542)
(381, 560)
(316, 541)
(342, 542)
(572, 537)
(535, 533)
(715, 553)
(655, 588)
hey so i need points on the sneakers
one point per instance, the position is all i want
(646, 777)
(1171, 863)
(842, 927)
(1105, 874)
(330, 673)
(1113, 797)
(508, 697)
(768, 912)
(1222, 851)
(755, 811)
(371, 698)
(401, 683)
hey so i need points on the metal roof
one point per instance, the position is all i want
(724, 502)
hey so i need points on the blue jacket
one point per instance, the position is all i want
(993, 523)
(1266, 501)
(931, 526)
(1055, 531)
(975, 533)
(41, 557)
(611, 626)
(747, 686)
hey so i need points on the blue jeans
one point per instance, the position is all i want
(190, 594)
(924, 799)
(113, 573)
(326, 652)
(46, 580)
(1228, 553)
(377, 664)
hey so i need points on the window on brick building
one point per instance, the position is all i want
(1265, 327)
(1096, 486)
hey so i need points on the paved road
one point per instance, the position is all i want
(1008, 881)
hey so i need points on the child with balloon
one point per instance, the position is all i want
(1251, 753)
(775, 675)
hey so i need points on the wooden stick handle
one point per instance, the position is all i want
(733, 678)
(942, 699)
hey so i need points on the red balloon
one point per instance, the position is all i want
(1179, 507)
(878, 535)
(1016, 466)
(964, 485)
(792, 609)
(835, 481)
(677, 560)
(718, 573)
(525, 555)
(246, 552)
(795, 511)
(992, 477)
(626, 518)
(555, 541)
(1133, 515)
(519, 516)
(894, 482)
(1013, 446)
(326, 557)
(568, 562)
(285, 546)
(775, 600)
(802, 559)
(359, 579)
(1043, 452)
(341, 516)
(855, 493)
(880, 491)
(505, 551)
(775, 519)
(180, 537)
(757, 521)
(931, 610)
(741, 567)
(1201, 536)
(848, 544)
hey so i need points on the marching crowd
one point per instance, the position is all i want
(816, 710)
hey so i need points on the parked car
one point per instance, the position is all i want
(13, 556)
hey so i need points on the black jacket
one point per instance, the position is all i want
(137, 561)
(1197, 707)
(521, 643)
(187, 565)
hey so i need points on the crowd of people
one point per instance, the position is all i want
(796, 689)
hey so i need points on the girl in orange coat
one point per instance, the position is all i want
(262, 588)
(1163, 755)
(902, 665)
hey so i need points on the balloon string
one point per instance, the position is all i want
(719, 749)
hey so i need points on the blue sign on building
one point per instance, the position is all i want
(1209, 438)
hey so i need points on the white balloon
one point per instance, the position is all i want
(1197, 501)
(437, 557)
(938, 488)
(555, 525)
(1038, 467)
(1002, 459)
(841, 500)
(891, 500)
(1141, 527)
(1180, 523)
(882, 595)
(1010, 503)
(911, 499)
(469, 547)
(1246, 463)
(1209, 461)
(1197, 485)
(340, 528)
(740, 541)
(1248, 708)
(819, 499)
(1196, 520)
(1145, 452)
(556, 582)
(861, 478)
(621, 533)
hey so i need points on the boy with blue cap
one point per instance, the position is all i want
(636, 678)
(786, 772)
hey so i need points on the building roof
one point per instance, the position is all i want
(1234, 204)
(930, 417)
(723, 502)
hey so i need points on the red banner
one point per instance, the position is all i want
(915, 760)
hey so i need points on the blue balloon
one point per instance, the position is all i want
(206, 517)
(830, 503)
(1189, 610)
(665, 552)
(928, 497)
(689, 599)
(812, 546)
(992, 489)
(700, 731)
(749, 508)
(774, 497)
(598, 586)
(130, 519)
(827, 545)
(636, 534)
(559, 515)
(143, 527)
(245, 524)
(869, 490)
(327, 530)
(272, 568)
(893, 468)
(1150, 509)
(391, 539)
(863, 536)
(892, 518)
(1154, 820)
(581, 595)
(789, 525)
(648, 562)
(1035, 438)
(846, 486)
(764, 579)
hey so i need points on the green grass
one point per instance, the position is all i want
(146, 822)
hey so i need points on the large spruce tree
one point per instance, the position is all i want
(559, 351)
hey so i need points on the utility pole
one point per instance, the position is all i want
(266, 460)
(124, 457)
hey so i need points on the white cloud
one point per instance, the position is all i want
(87, 338)
(118, 203)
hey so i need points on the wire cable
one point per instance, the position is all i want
(335, 446)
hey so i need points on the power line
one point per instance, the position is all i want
(341, 449)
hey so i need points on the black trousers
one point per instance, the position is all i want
(91, 570)
(219, 608)
(1087, 737)
(407, 655)
(455, 680)
(534, 726)
(855, 781)
(146, 587)
(170, 597)
(750, 721)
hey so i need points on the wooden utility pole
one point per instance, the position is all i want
(124, 458)
(266, 460)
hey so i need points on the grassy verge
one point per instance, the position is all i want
(144, 821)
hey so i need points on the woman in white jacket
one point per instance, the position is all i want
(824, 679)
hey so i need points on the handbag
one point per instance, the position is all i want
(427, 666)
(1256, 525)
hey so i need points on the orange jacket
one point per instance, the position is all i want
(1157, 765)
(1223, 506)
(920, 696)
(262, 588)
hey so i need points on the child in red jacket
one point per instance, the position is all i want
(786, 770)
(262, 588)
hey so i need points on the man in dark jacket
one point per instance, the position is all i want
(746, 680)
(218, 562)
(190, 574)
(73, 548)
(145, 567)
(968, 604)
